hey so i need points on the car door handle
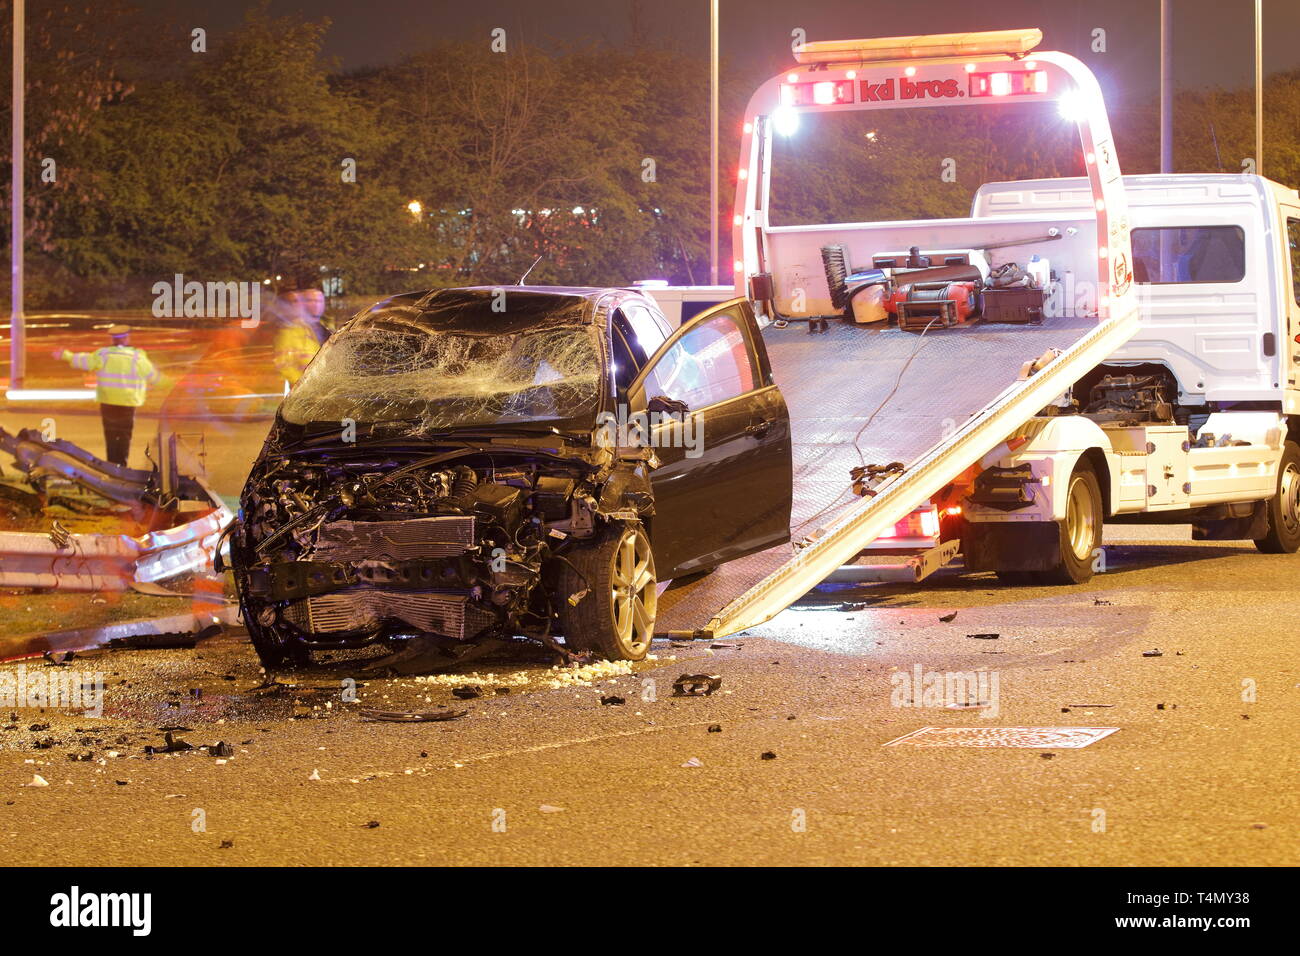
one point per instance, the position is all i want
(759, 429)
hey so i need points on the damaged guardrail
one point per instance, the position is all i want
(112, 562)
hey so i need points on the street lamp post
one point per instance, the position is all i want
(17, 329)
(1166, 89)
(1259, 87)
(713, 142)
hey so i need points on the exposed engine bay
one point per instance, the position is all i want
(458, 542)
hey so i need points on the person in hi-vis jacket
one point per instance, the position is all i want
(122, 378)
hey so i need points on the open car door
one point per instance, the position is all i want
(721, 431)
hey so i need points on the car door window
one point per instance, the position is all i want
(710, 363)
(646, 332)
(629, 355)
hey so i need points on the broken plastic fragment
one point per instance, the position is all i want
(696, 685)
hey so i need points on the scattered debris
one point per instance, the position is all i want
(314, 775)
(948, 618)
(694, 762)
(724, 645)
(172, 640)
(767, 755)
(547, 808)
(57, 659)
(37, 781)
(984, 637)
(613, 700)
(412, 716)
(171, 745)
(221, 749)
(715, 728)
(1098, 602)
(226, 844)
(467, 692)
(696, 685)
(1047, 756)
(370, 825)
(1154, 652)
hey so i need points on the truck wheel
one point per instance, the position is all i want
(1284, 509)
(615, 618)
(1080, 534)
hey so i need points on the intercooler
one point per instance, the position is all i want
(404, 540)
(436, 612)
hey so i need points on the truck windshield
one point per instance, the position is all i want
(440, 379)
(906, 164)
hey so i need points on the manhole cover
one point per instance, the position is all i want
(1026, 737)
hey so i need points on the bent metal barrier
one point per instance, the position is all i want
(105, 562)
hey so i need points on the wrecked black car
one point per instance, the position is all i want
(464, 466)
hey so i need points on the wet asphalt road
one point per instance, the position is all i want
(547, 775)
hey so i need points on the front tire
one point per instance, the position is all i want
(1283, 535)
(615, 618)
(1080, 530)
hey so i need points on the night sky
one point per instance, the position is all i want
(1213, 38)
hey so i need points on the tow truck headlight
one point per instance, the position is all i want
(785, 120)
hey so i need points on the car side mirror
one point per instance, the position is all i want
(662, 403)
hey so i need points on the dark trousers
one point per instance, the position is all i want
(119, 420)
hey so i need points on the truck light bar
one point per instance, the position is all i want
(1013, 43)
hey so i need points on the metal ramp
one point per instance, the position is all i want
(940, 401)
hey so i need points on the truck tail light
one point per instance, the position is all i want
(1008, 83)
(821, 93)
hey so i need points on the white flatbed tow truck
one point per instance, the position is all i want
(1156, 388)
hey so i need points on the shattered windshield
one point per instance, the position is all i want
(392, 368)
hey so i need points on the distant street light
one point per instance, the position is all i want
(415, 208)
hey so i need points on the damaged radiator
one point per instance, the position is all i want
(437, 612)
(403, 540)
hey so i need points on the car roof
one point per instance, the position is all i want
(565, 298)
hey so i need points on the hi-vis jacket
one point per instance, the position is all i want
(122, 373)
(295, 345)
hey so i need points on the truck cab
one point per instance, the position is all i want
(1193, 420)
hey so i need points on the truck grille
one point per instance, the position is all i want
(405, 539)
(436, 612)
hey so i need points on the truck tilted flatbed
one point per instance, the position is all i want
(1160, 386)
